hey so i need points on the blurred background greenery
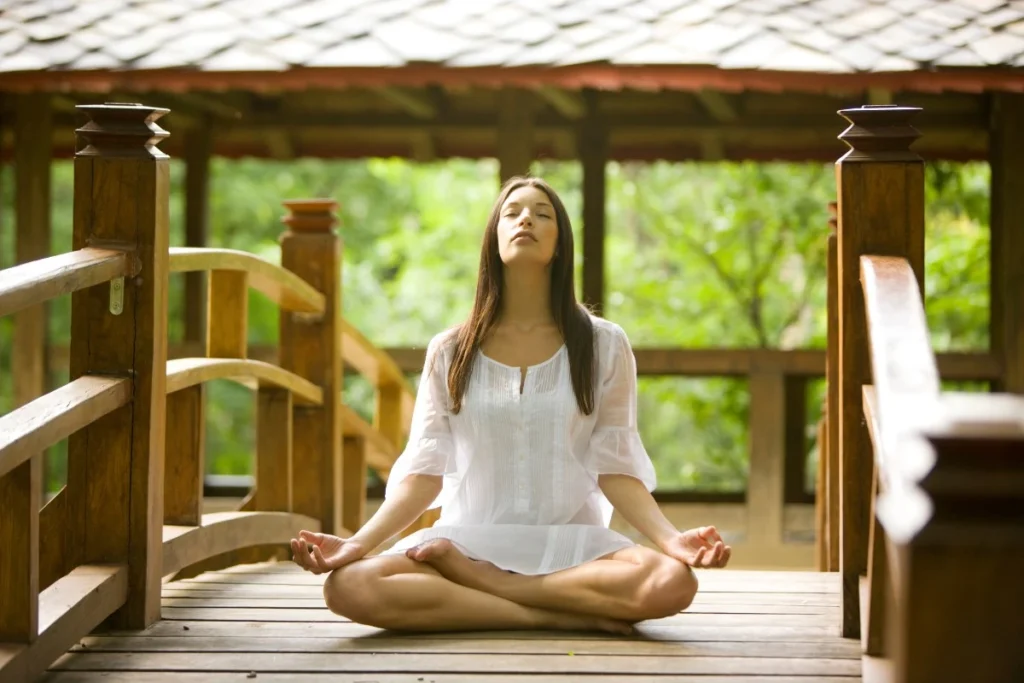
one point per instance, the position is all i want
(698, 255)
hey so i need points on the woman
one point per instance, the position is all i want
(524, 431)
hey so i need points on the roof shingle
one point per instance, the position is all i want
(830, 36)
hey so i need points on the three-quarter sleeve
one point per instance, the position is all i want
(615, 446)
(430, 448)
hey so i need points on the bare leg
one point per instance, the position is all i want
(632, 584)
(395, 592)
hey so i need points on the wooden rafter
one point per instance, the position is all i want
(417, 103)
(567, 103)
(717, 105)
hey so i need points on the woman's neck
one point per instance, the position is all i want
(526, 300)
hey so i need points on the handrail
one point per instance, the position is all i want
(381, 453)
(73, 606)
(906, 377)
(280, 285)
(38, 281)
(376, 365)
(187, 372)
(56, 415)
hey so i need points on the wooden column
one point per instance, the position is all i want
(766, 483)
(795, 454)
(198, 144)
(881, 212)
(311, 348)
(33, 146)
(832, 513)
(515, 133)
(115, 465)
(593, 147)
(1006, 157)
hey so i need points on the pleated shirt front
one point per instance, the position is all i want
(521, 468)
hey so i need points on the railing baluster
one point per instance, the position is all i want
(115, 466)
(274, 437)
(311, 347)
(19, 562)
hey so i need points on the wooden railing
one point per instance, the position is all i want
(931, 485)
(131, 513)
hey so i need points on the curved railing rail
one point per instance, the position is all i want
(932, 485)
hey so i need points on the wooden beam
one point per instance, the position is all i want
(280, 145)
(198, 149)
(567, 103)
(515, 133)
(416, 103)
(593, 147)
(1006, 158)
(881, 212)
(766, 482)
(718, 105)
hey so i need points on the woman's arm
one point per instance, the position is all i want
(400, 509)
(633, 501)
(700, 547)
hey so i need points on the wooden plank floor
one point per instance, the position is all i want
(268, 622)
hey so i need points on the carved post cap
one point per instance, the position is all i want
(310, 215)
(880, 132)
(120, 129)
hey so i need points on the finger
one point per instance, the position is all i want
(299, 553)
(716, 554)
(311, 537)
(318, 557)
(710, 534)
(725, 556)
(698, 558)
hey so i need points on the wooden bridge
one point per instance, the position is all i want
(122, 577)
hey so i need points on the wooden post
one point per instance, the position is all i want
(795, 452)
(198, 143)
(766, 482)
(354, 477)
(33, 144)
(274, 438)
(184, 462)
(311, 348)
(1006, 158)
(515, 133)
(881, 212)
(593, 147)
(115, 465)
(832, 390)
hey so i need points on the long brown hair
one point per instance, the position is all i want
(572, 318)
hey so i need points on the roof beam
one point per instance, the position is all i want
(717, 105)
(567, 103)
(416, 103)
(279, 144)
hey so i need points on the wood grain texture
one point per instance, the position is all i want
(435, 677)
(54, 416)
(274, 435)
(766, 487)
(310, 349)
(197, 150)
(39, 281)
(515, 148)
(353, 496)
(881, 212)
(115, 465)
(1006, 159)
(832, 419)
(227, 314)
(184, 458)
(381, 452)
(278, 284)
(186, 372)
(53, 526)
(222, 532)
(20, 490)
(71, 607)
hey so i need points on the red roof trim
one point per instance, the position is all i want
(598, 76)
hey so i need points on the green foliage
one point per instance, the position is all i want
(698, 255)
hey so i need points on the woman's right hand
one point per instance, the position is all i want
(321, 553)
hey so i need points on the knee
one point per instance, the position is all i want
(670, 588)
(351, 592)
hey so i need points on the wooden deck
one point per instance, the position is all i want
(267, 622)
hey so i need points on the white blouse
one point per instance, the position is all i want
(520, 469)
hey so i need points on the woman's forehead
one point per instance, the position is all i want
(528, 194)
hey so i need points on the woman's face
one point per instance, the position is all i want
(527, 227)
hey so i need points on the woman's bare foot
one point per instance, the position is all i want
(443, 556)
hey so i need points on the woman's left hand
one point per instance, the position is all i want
(700, 547)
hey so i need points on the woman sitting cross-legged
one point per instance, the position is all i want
(524, 431)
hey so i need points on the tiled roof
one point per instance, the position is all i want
(824, 36)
